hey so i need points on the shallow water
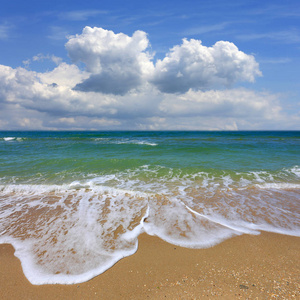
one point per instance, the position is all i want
(74, 203)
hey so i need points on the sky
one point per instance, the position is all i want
(150, 65)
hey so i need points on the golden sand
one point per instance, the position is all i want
(244, 267)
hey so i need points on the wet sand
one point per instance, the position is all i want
(266, 266)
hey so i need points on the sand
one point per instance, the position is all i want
(244, 267)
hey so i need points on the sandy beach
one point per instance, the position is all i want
(244, 267)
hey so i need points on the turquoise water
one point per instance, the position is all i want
(74, 203)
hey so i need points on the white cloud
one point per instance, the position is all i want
(80, 15)
(16, 117)
(288, 36)
(52, 93)
(58, 33)
(41, 57)
(117, 62)
(64, 75)
(234, 103)
(4, 31)
(206, 29)
(192, 65)
(279, 60)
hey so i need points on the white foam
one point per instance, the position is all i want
(280, 186)
(260, 176)
(9, 139)
(38, 276)
(241, 228)
(88, 225)
(296, 170)
(179, 227)
(227, 181)
(133, 234)
(136, 142)
(125, 141)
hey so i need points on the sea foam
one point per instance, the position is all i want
(9, 139)
(70, 233)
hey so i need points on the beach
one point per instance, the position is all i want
(131, 215)
(264, 266)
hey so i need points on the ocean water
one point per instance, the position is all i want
(74, 203)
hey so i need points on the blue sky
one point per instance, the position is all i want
(36, 38)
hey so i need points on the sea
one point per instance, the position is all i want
(74, 203)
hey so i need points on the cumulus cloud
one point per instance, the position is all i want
(117, 62)
(64, 75)
(194, 66)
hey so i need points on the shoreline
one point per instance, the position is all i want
(264, 266)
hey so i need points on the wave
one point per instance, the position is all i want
(8, 139)
(122, 141)
(137, 143)
(295, 170)
(161, 179)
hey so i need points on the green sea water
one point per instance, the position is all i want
(56, 157)
(80, 199)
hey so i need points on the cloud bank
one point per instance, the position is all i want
(122, 87)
